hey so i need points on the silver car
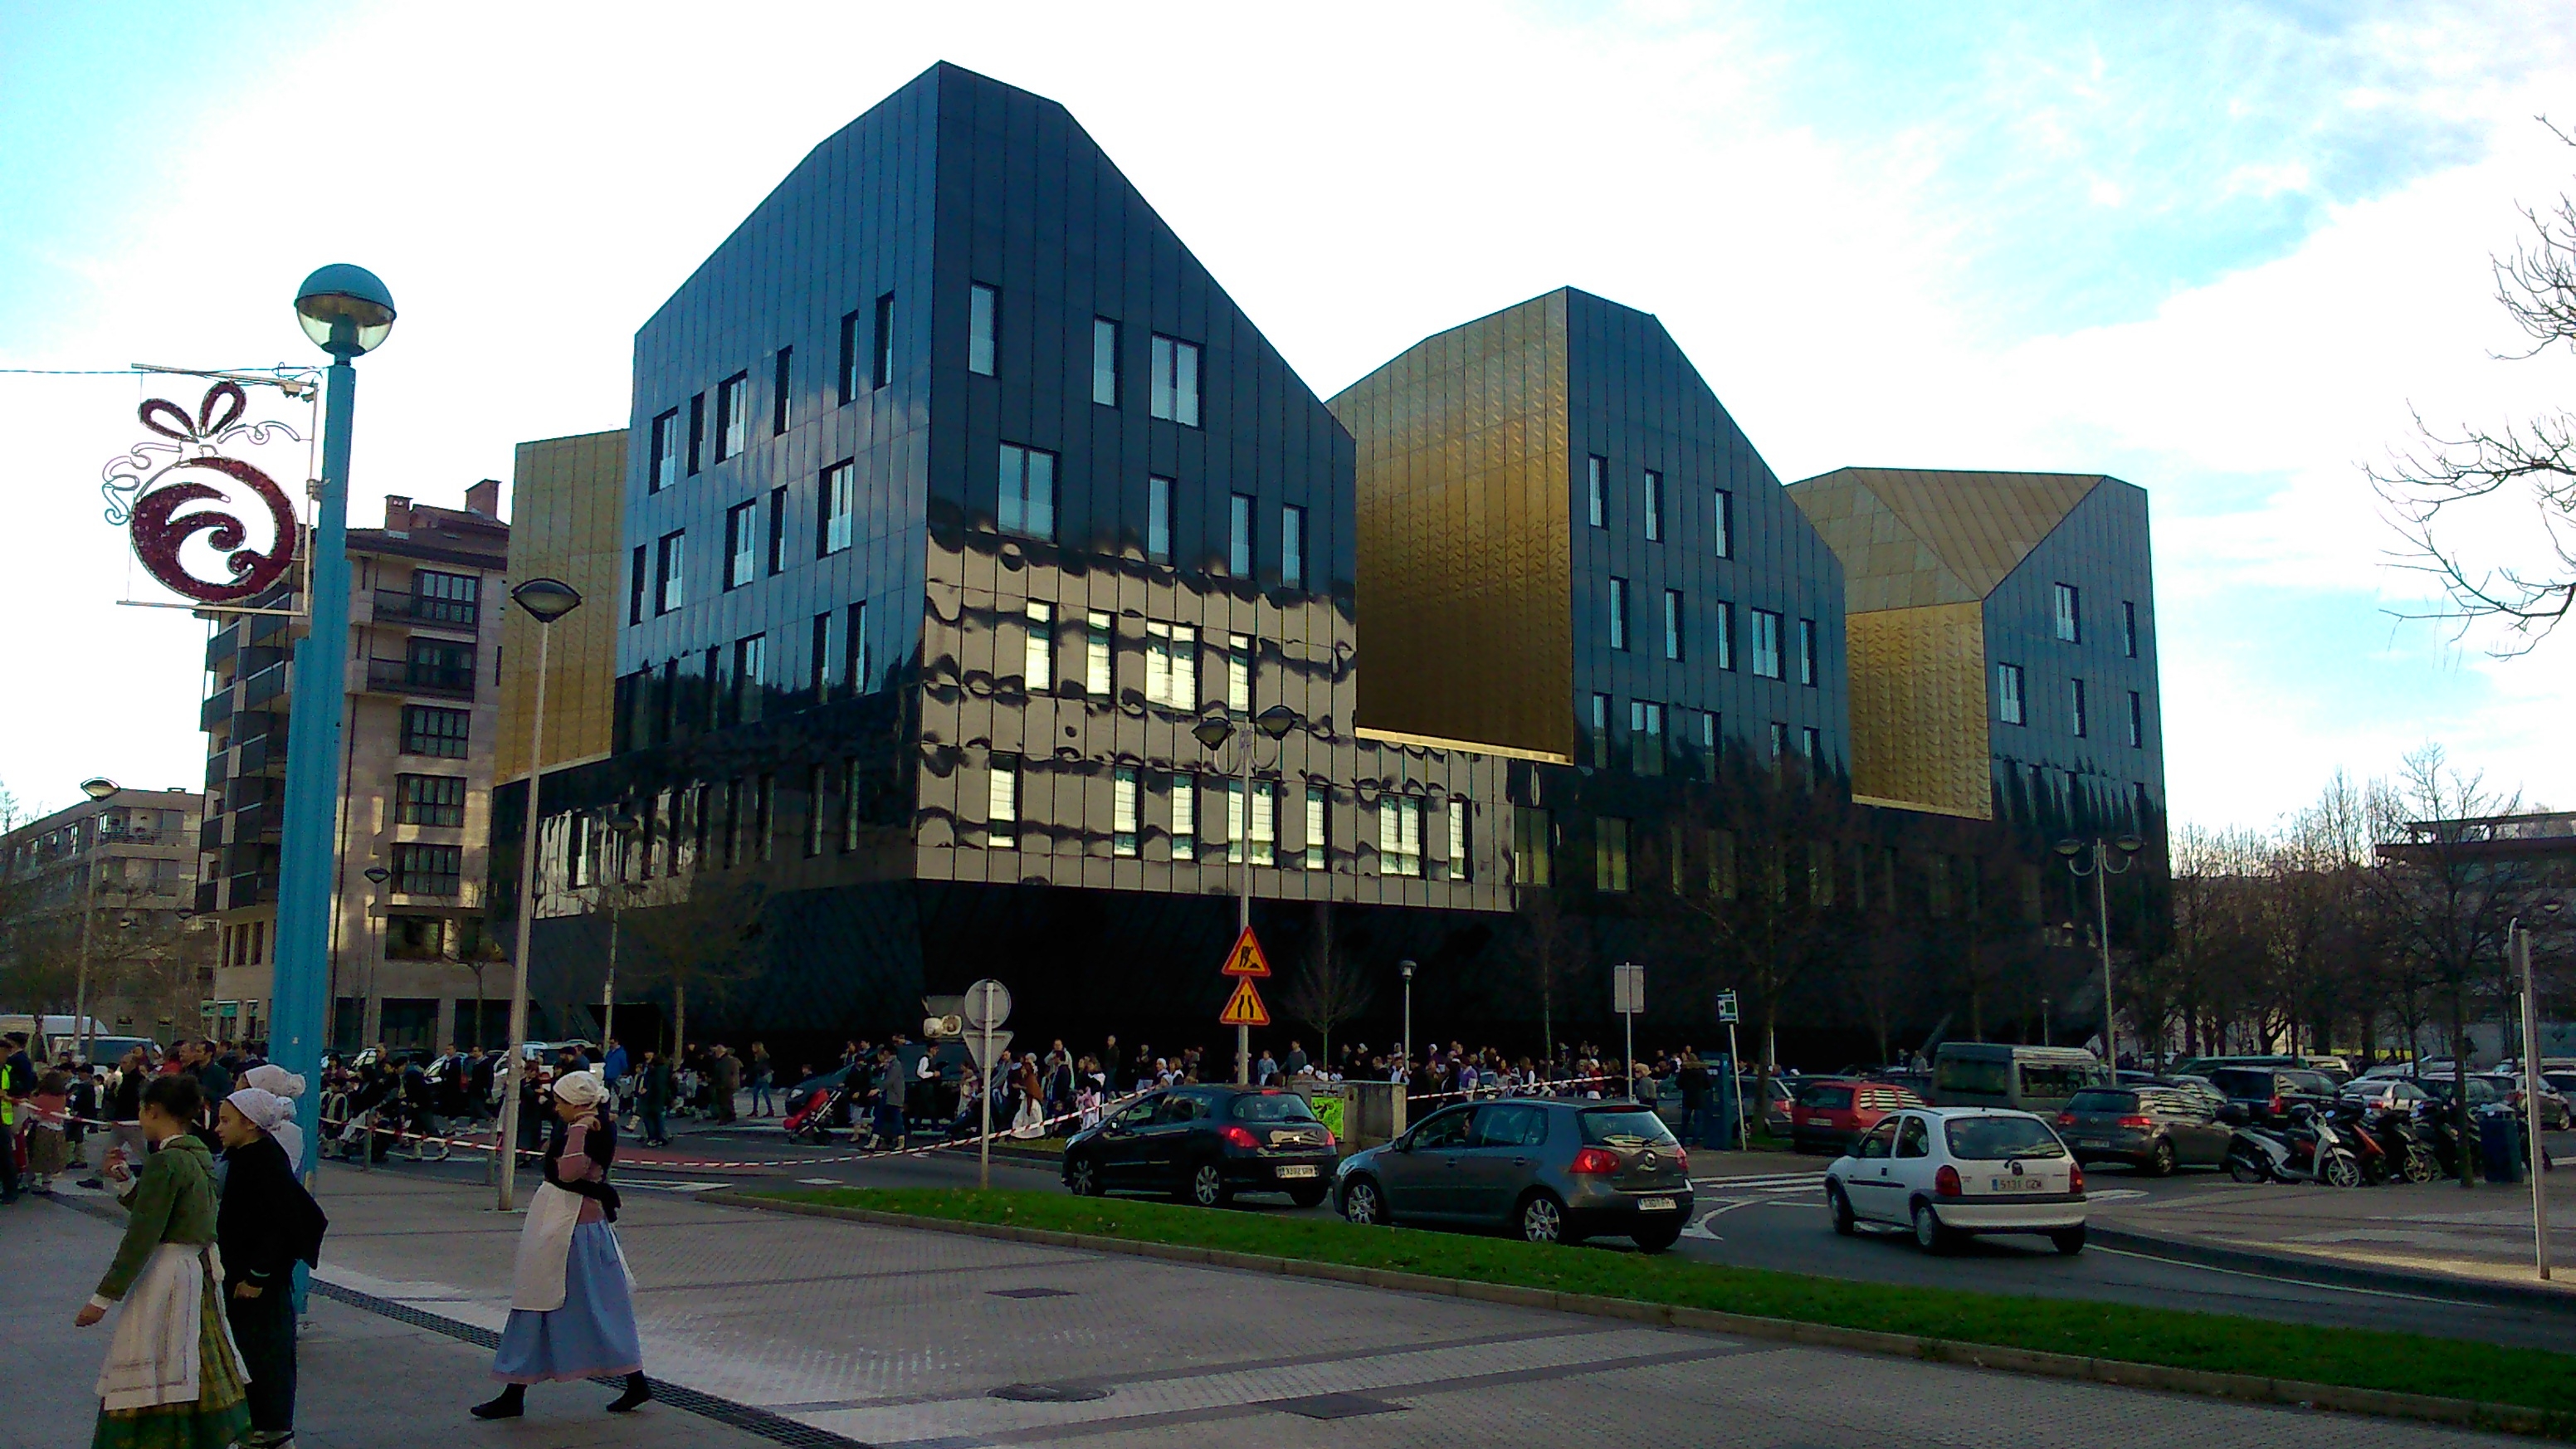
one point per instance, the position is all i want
(1551, 1171)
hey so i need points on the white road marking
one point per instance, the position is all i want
(821, 1181)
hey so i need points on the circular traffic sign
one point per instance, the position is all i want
(988, 1003)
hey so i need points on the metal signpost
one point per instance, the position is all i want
(1727, 1012)
(1628, 997)
(2531, 1100)
(988, 1005)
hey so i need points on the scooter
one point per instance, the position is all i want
(2409, 1157)
(2309, 1150)
(2378, 1161)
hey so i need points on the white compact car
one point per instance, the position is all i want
(1953, 1172)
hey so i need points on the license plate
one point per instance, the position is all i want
(1288, 1172)
(2016, 1184)
(1654, 1204)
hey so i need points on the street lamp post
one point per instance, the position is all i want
(2074, 852)
(1406, 1046)
(1213, 732)
(96, 788)
(347, 312)
(546, 600)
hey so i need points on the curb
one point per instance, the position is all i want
(2247, 1388)
(2324, 1270)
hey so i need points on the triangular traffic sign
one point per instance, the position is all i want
(1244, 1008)
(1247, 959)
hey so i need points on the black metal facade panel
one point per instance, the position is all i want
(1635, 402)
(2102, 548)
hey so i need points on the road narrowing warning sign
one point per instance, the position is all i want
(1244, 1008)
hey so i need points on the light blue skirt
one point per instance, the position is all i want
(592, 1335)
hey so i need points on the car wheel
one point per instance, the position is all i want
(2068, 1241)
(2161, 1162)
(1656, 1240)
(1311, 1196)
(1838, 1207)
(1362, 1203)
(1929, 1235)
(1082, 1176)
(1541, 1219)
(1205, 1187)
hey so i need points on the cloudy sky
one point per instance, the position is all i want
(2216, 250)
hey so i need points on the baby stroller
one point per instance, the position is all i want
(813, 1122)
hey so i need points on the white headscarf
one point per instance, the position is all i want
(582, 1089)
(269, 1077)
(274, 1115)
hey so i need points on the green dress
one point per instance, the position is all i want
(174, 1202)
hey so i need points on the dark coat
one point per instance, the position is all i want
(599, 1144)
(266, 1222)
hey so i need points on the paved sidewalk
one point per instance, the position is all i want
(2481, 1233)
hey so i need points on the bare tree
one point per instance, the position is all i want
(1549, 943)
(1327, 988)
(700, 934)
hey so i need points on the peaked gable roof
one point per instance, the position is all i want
(1910, 537)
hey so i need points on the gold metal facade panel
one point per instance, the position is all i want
(1911, 537)
(1918, 707)
(567, 514)
(1465, 543)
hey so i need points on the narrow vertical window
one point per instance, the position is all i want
(2129, 628)
(1766, 643)
(733, 408)
(1158, 519)
(818, 669)
(1234, 831)
(1122, 811)
(1027, 492)
(854, 649)
(1238, 557)
(1238, 673)
(849, 358)
(1596, 486)
(1600, 731)
(883, 351)
(1096, 655)
(777, 529)
(1645, 737)
(741, 534)
(1185, 816)
(636, 586)
(852, 812)
(1724, 634)
(2075, 707)
(1807, 652)
(1002, 804)
(817, 798)
(669, 564)
(1610, 854)
(1779, 739)
(697, 429)
(1174, 389)
(1104, 362)
(1317, 843)
(838, 498)
(1292, 546)
(1811, 743)
(1722, 523)
(665, 469)
(1618, 613)
(1458, 858)
(2008, 695)
(1654, 506)
(1533, 846)
(2070, 613)
(1037, 666)
(1673, 624)
(1265, 822)
(979, 329)
(782, 392)
(1399, 835)
(2137, 721)
(750, 677)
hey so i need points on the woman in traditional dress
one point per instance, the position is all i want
(173, 1378)
(268, 1223)
(572, 1305)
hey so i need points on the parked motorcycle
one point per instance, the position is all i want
(2378, 1160)
(2310, 1149)
(2410, 1157)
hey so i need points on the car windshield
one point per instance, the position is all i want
(1985, 1139)
(1964, 1074)
(1831, 1099)
(1272, 1107)
(2100, 1101)
(1624, 1127)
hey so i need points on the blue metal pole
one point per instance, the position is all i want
(301, 987)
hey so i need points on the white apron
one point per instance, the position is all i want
(152, 1359)
(545, 1244)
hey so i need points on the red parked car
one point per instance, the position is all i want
(1832, 1112)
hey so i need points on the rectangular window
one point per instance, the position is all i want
(1533, 842)
(2009, 705)
(1037, 660)
(1779, 739)
(782, 392)
(1672, 624)
(1610, 854)
(1172, 665)
(1185, 816)
(1600, 731)
(429, 730)
(1028, 491)
(637, 584)
(817, 786)
(733, 411)
(2075, 706)
(1122, 811)
(1318, 840)
(1096, 655)
(665, 469)
(1724, 635)
(1292, 546)
(1708, 732)
(1234, 822)
(1002, 804)
(2129, 628)
(1238, 673)
(1654, 506)
(1459, 862)
(818, 669)
(1618, 613)
(427, 870)
(1807, 652)
(851, 798)
(1720, 848)
(431, 800)
(883, 352)
(1265, 822)
(740, 544)
(1596, 491)
(2070, 613)
(1722, 523)
(1238, 556)
(697, 429)
(1399, 835)
(838, 494)
(1158, 519)
(1645, 737)
(854, 650)
(1811, 744)
(1175, 385)
(1766, 643)
(750, 677)
(764, 816)
(979, 329)
(849, 358)
(777, 529)
(1104, 362)
(2137, 721)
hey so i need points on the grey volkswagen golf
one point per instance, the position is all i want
(1550, 1171)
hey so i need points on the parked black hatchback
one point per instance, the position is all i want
(2153, 1128)
(1205, 1144)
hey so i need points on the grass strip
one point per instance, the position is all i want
(2347, 1357)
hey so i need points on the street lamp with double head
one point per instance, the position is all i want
(2093, 858)
(1214, 731)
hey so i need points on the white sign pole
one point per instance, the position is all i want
(984, 1089)
(2531, 1103)
(1735, 1088)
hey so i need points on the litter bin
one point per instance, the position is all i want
(2500, 1146)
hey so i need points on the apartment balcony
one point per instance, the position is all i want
(209, 897)
(456, 616)
(249, 889)
(271, 628)
(402, 676)
(258, 819)
(262, 756)
(218, 770)
(210, 836)
(266, 685)
(216, 710)
(225, 643)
